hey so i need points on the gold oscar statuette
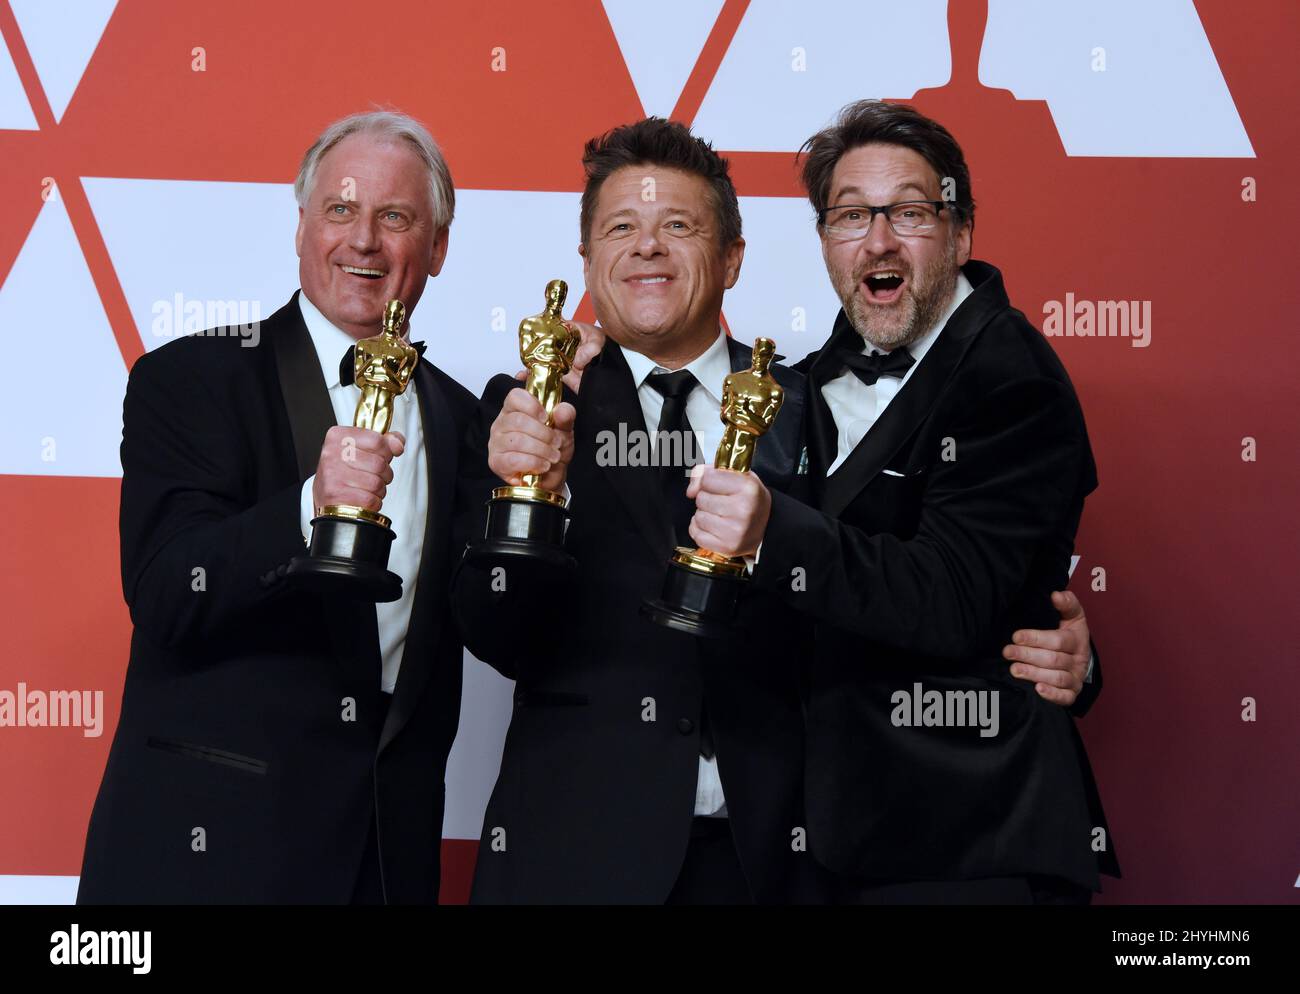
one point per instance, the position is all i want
(526, 523)
(349, 544)
(701, 588)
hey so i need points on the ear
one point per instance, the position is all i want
(732, 256)
(963, 243)
(586, 260)
(439, 251)
(298, 235)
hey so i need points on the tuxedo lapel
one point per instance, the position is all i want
(823, 435)
(441, 450)
(306, 397)
(608, 399)
(914, 401)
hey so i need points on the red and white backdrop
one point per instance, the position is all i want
(1135, 171)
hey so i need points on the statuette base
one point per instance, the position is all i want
(348, 557)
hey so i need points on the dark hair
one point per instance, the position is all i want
(868, 121)
(656, 142)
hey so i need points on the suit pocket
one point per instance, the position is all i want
(209, 754)
(891, 503)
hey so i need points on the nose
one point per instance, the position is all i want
(880, 238)
(364, 234)
(649, 243)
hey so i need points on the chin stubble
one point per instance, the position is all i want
(926, 300)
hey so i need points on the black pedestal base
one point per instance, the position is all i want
(349, 557)
(521, 533)
(696, 603)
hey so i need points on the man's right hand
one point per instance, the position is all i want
(354, 467)
(520, 442)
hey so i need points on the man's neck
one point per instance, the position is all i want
(352, 331)
(683, 354)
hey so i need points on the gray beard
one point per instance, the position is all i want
(927, 307)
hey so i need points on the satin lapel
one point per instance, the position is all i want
(608, 399)
(306, 397)
(914, 401)
(776, 456)
(823, 437)
(441, 450)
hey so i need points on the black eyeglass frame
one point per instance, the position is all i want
(938, 205)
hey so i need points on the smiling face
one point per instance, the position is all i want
(366, 234)
(893, 289)
(653, 265)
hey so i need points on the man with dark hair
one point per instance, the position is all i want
(949, 465)
(642, 765)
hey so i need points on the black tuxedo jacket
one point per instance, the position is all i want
(945, 530)
(596, 790)
(237, 690)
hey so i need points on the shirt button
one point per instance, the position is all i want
(685, 726)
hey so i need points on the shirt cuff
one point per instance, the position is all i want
(1092, 661)
(752, 561)
(305, 510)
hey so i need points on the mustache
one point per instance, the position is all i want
(885, 262)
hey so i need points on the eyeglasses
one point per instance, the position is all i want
(853, 221)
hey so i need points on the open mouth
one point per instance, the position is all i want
(364, 273)
(884, 286)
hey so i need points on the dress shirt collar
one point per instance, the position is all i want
(710, 368)
(331, 342)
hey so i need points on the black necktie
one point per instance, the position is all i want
(869, 368)
(676, 389)
(347, 370)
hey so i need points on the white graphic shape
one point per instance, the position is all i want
(61, 37)
(1161, 92)
(62, 417)
(660, 45)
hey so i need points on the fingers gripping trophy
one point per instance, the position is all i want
(349, 544)
(526, 523)
(702, 587)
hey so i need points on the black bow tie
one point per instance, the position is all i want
(869, 368)
(347, 370)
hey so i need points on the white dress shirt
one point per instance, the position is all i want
(855, 406)
(703, 407)
(407, 499)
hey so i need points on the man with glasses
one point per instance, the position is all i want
(949, 464)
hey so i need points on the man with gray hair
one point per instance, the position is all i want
(278, 745)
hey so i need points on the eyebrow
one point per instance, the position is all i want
(631, 212)
(402, 205)
(897, 191)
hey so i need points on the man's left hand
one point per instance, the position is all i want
(1056, 660)
(731, 510)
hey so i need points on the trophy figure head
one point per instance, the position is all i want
(394, 316)
(556, 292)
